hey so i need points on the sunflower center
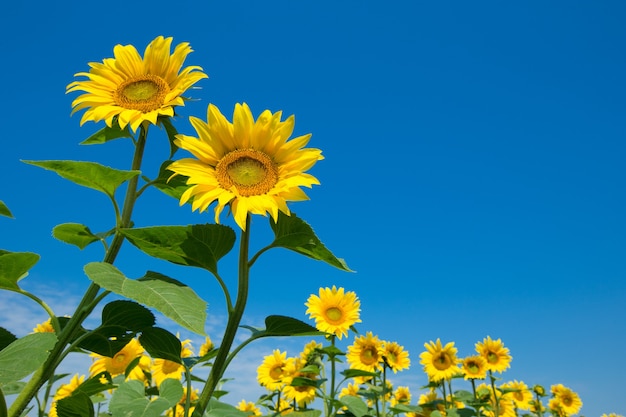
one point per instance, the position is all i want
(169, 367)
(276, 372)
(442, 362)
(369, 356)
(518, 395)
(492, 357)
(250, 171)
(334, 314)
(473, 368)
(567, 400)
(119, 358)
(145, 93)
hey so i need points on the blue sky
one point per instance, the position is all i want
(473, 179)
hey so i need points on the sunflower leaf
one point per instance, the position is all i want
(172, 186)
(106, 134)
(74, 234)
(4, 210)
(168, 296)
(295, 234)
(14, 266)
(24, 356)
(88, 174)
(220, 409)
(76, 405)
(200, 245)
(171, 131)
(288, 326)
(6, 338)
(160, 343)
(355, 405)
(129, 399)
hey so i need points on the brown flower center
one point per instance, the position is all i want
(492, 357)
(144, 93)
(369, 356)
(442, 361)
(250, 171)
(276, 372)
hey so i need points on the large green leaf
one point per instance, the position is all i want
(88, 174)
(14, 266)
(200, 245)
(4, 210)
(219, 409)
(288, 326)
(74, 234)
(129, 399)
(175, 300)
(24, 356)
(77, 405)
(293, 233)
(355, 405)
(6, 338)
(106, 134)
(160, 343)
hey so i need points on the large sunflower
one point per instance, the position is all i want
(565, 401)
(520, 395)
(366, 353)
(135, 89)
(248, 164)
(117, 364)
(272, 372)
(334, 311)
(497, 356)
(440, 362)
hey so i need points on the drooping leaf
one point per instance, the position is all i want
(129, 399)
(14, 266)
(74, 234)
(174, 186)
(168, 296)
(288, 326)
(171, 131)
(4, 210)
(88, 174)
(200, 245)
(77, 405)
(354, 373)
(6, 338)
(24, 356)
(295, 234)
(106, 134)
(160, 343)
(355, 405)
(219, 409)
(106, 340)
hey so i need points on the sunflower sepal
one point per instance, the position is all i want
(107, 134)
(293, 233)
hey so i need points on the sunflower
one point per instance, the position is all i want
(45, 327)
(118, 364)
(309, 352)
(133, 89)
(401, 395)
(179, 409)
(206, 347)
(497, 356)
(352, 389)
(248, 164)
(64, 391)
(395, 356)
(163, 369)
(365, 353)
(271, 374)
(566, 401)
(505, 405)
(520, 395)
(300, 394)
(250, 408)
(334, 310)
(440, 362)
(474, 367)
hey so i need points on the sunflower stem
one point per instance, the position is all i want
(86, 305)
(234, 318)
(333, 371)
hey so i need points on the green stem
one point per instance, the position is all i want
(234, 318)
(333, 372)
(495, 393)
(53, 318)
(3, 404)
(86, 305)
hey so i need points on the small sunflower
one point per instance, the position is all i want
(250, 408)
(118, 364)
(440, 362)
(206, 347)
(334, 310)
(352, 389)
(366, 353)
(309, 351)
(506, 406)
(248, 164)
(474, 367)
(497, 356)
(45, 327)
(402, 395)
(163, 369)
(135, 89)
(302, 395)
(566, 400)
(179, 409)
(272, 372)
(64, 391)
(521, 394)
(395, 356)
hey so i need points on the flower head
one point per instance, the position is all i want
(248, 164)
(163, 369)
(366, 353)
(272, 372)
(401, 395)
(474, 367)
(334, 310)
(395, 356)
(250, 408)
(440, 362)
(135, 89)
(64, 391)
(520, 394)
(565, 401)
(118, 364)
(206, 347)
(497, 356)
(45, 327)
(301, 394)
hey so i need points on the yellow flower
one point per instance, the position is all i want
(308, 352)
(271, 374)
(206, 347)
(250, 408)
(301, 394)
(248, 164)
(395, 356)
(497, 356)
(45, 327)
(163, 369)
(117, 364)
(351, 389)
(64, 391)
(179, 409)
(611, 415)
(365, 353)
(474, 367)
(565, 401)
(440, 362)
(506, 406)
(334, 310)
(521, 395)
(135, 89)
(402, 395)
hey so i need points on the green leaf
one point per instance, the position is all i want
(295, 234)
(4, 210)
(172, 186)
(88, 174)
(24, 356)
(353, 373)
(171, 131)
(160, 343)
(6, 338)
(76, 405)
(74, 234)
(94, 384)
(13, 388)
(170, 297)
(307, 413)
(106, 134)
(288, 326)
(14, 266)
(200, 245)
(129, 399)
(219, 409)
(355, 405)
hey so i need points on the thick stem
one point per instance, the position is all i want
(234, 318)
(86, 305)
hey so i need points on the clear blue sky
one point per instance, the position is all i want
(474, 173)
